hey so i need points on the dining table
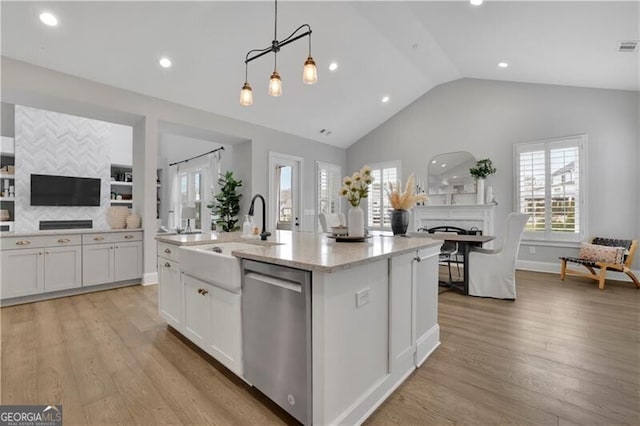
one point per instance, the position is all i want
(465, 244)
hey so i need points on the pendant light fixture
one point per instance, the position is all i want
(309, 70)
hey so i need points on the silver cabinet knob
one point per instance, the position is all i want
(168, 251)
(167, 265)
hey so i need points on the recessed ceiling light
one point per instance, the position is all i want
(433, 161)
(443, 165)
(476, 2)
(385, 99)
(503, 64)
(165, 62)
(454, 177)
(333, 66)
(49, 19)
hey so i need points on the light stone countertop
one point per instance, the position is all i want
(310, 251)
(55, 232)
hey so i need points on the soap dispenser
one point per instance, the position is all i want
(247, 226)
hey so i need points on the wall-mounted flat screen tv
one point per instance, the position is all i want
(51, 190)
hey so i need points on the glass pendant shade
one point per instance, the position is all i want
(310, 72)
(246, 95)
(275, 84)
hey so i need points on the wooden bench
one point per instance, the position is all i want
(625, 266)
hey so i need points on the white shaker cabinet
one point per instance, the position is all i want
(212, 320)
(169, 285)
(33, 265)
(62, 268)
(111, 257)
(98, 264)
(22, 272)
(128, 260)
(197, 311)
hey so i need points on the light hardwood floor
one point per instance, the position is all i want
(563, 353)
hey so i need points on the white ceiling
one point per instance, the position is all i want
(399, 49)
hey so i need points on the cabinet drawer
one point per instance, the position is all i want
(168, 251)
(111, 237)
(11, 243)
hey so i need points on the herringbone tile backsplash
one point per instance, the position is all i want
(59, 144)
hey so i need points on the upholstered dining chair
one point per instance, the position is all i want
(327, 220)
(492, 273)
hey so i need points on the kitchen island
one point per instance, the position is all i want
(372, 314)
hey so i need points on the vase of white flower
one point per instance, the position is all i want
(354, 189)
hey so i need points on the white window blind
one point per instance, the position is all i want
(550, 187)
(378, 207)
(329, 182)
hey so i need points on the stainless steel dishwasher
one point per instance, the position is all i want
(276, 335)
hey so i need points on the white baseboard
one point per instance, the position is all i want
(554, 268)
(149, 278)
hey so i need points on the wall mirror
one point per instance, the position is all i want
(449, 174)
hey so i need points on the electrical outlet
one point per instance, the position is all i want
(362, 297)
(532, 249)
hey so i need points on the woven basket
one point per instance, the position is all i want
(134, 221)
(117, 216)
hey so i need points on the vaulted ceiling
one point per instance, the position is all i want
(395, 49)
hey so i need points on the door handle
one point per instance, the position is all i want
(204, 291)
(23, 243)
(63, 240)
(167, 265)
(98, 238)
(128, 237)
(168, 251)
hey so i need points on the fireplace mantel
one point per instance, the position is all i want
(465, 216)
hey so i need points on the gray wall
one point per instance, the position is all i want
(487, 117)
(29, 85)
(7, 118)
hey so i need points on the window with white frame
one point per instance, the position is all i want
(551, 187)
(191, 193)
(328, 187)
(378, 205)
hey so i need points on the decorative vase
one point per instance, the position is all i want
(356, 222)
(117, 216)
(480, 190)
(133, 221)
(399, 221)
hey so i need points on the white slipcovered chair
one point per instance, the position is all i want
(492, 273)
(327, 220)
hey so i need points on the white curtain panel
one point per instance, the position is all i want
(175, 206)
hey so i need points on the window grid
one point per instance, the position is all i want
(379, 208)
(549, 188)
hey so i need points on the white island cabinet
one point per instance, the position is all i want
(372, 317)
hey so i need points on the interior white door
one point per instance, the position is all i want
(128, 260)
(97, 264)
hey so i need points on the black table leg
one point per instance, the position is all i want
(466, 248)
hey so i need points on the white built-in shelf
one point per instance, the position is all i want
(121, 201)
(3, 176)
(7, 198)
(118, 183)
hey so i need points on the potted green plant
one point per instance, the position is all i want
(226, 204)
(480, 172)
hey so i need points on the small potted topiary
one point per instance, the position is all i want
(480, 172)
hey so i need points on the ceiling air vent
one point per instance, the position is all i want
(628, 46)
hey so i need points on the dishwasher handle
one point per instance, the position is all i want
(288, 285)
